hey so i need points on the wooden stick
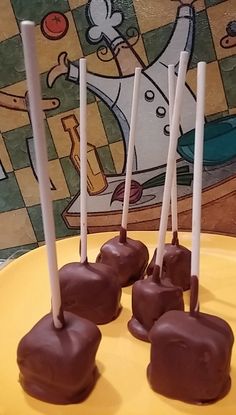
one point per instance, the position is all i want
(83, 160)
(129, 164)
(33, 81)
(174, 134)
(197, 177)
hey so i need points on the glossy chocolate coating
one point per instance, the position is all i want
(125, 255)
(91, 291)
(150, 299)
(58, 365)
(176, 266)
(190, 357)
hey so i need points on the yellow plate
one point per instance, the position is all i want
(122, 388)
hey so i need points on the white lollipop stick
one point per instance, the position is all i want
(197, 171)
(174, 134)
(33, 82)
(174, 209)
(129, 164)
(83, 160)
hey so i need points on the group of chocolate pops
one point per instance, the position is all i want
(190, 351)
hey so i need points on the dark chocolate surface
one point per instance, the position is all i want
(58, 365)
(176, 266)
(91, 291)
(125, 255)
(150, 300)
(190, 357)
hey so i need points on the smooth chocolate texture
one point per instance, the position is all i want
(58, 365)
(176, 266)
(127, 256)
(91, 291)
(150, 299)
(190, 357)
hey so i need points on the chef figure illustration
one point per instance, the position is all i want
(152, 142)
(152, 137)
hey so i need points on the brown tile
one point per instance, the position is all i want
(9, 26)
(152, 14)
(77, 3)
(9, 118)
(16, 228)
(219, 17)
(4, 157)
(95, 130)
(48, 50)
(58, 179)
(215, 96)
(118, 155)
(232, 111)
(107, 66)
(28, 186)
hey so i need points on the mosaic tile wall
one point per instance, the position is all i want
(146, 27)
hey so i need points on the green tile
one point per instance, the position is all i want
(67, 92)
(106, 159)
(216, 116)
(12, 68)
(36, 9)
(10, 195)
(228, 73)
(16, 251)
(203, 49)
(71, 175)
(110, 123)
(36, 219)
(16, 143)
(82, 24)
(155, 40)
(209, 3)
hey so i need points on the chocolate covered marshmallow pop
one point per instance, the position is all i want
(191, 351)
(177, 258)
(90, 290)
(57, 357)
(127, 256)
(150, 298)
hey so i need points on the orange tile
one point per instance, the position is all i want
(58, 179)
(16, 228)
(219, 17)
(95, 130)
(77, 3)
(49, 50)
(107, 66)
(4, 157)
(9, 26)
(215, 96)
(152, 14)
(118, 155)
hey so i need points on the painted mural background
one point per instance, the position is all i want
(115, 36)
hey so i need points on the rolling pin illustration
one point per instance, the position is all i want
(96, 180)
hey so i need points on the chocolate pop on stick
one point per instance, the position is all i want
(150, 299)
(177, 258)
(127, 256)
(191, 351)
(57, 357)
(89, 290)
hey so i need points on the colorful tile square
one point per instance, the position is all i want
(11, 197)
(16, 228)
(9, 27)
(19, 141)
(220, 17)
(118, 155)
(12, 67)
(213, 2)
(36, 10)
(104, 154)
(71, 175)
(110, 123)
(156, 40)
(228, 72)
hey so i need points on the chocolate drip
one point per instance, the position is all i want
(194, 306)
(123, 235)
(175, 239)
(156, 274)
